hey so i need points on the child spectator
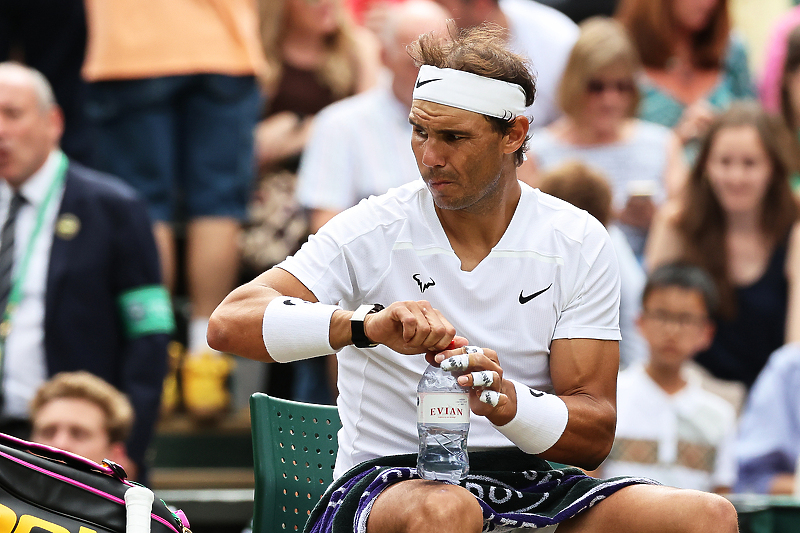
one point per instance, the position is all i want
(668, 427)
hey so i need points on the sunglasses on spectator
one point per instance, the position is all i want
(600, 86)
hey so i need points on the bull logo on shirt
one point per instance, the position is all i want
(423, 286)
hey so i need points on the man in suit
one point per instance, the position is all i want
(84, 290)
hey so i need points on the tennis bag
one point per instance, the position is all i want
(54, 491)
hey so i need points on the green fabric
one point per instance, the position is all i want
(146, 311)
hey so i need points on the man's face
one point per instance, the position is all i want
(458, 154)
(75, 425)
(27, 131)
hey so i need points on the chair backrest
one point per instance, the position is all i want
(294, 449)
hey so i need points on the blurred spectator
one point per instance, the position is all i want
(79, 279)
(80, 413)
(539, 32)
(317, 56)
(738, 220)
(668, 427)
(775, 61)
(694, 65)
(50, 36)
(790, 98)
(175, 100)
(588, 189)
(598, 94)
(361, 145)
(768, 445)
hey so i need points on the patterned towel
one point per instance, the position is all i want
(514, 489)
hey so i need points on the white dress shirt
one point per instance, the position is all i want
(25, 367)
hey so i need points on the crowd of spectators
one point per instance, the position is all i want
(245, 125)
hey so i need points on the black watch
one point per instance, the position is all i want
(359, 337)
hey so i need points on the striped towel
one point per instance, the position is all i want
(514, 489)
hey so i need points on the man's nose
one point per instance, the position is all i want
(432, 154)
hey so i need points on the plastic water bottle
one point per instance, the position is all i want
(442, 424)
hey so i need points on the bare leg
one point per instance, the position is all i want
(165, 242)
(421, 506)
(212, 257)
(656, 509)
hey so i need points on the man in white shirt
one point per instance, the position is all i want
(469, 252)
(361, 145)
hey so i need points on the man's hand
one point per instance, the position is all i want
(411, 327)
(480, 369)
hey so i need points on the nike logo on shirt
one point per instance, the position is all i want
(526, 299)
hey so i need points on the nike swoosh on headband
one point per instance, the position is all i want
(420, 83)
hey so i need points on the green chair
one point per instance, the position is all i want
(294, 449)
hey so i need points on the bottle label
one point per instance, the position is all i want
(443, 408)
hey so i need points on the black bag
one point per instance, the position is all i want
(59, 492)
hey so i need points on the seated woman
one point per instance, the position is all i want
(642, 161)
(739, 221)
(318, 56)
(694, 67)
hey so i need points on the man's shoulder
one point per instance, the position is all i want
(357, 107)
(88, 181)
(561, 215)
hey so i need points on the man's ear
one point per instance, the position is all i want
(516, 137)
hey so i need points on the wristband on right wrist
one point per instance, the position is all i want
(294, 329)
(540, 420)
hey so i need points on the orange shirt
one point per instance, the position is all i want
(130, 39)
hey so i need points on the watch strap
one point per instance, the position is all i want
(357, 333)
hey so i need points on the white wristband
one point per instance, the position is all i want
(294, 329)
(540, 420)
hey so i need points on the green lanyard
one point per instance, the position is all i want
(18, 278)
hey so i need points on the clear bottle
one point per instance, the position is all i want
(442, 424)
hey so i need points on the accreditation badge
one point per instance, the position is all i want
(67, 226)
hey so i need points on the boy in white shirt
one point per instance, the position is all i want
(668, 427)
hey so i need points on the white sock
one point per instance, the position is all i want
(197, 343)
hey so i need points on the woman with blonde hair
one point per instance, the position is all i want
(598, 94)
(739, 221)
(317, 56)
(694, 66)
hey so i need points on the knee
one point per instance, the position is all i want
(717, 513)
(447, 508)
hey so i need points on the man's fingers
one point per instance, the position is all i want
(456, 362)
(483, 378)
(489, 397)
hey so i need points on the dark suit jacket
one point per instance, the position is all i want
(112, 251)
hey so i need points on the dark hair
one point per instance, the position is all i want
(480, 50)
(702, 221)
(651, 25)
(581, 186)
(685, 276)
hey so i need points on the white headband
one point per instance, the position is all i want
(464, 90)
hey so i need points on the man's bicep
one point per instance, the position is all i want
(285, 283)
(585, 367)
